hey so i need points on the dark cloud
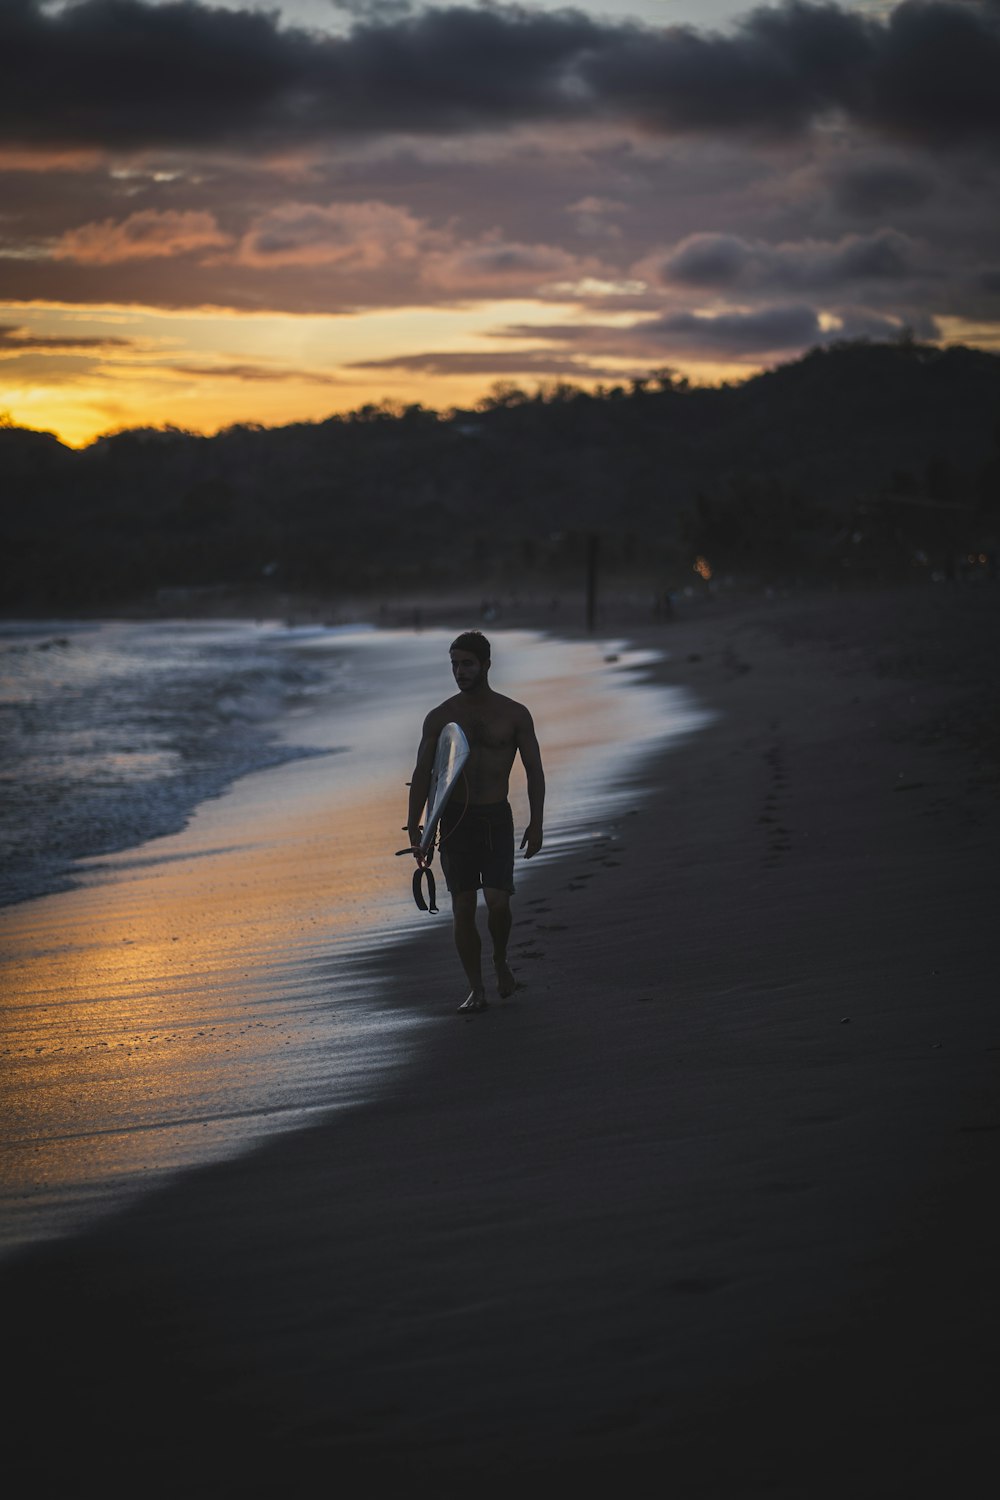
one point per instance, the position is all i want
(885, 256)
(123, 74)
(876, 188)
(777, 72)
(737, 336)
(585, 352)
(935, 73)
(766, 330)
(126, 74)
(708, 260)
(928, 73)
(864, 324)
(727, 260)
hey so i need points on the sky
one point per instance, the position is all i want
(219, 213)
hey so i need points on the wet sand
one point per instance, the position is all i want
(709, 1206)
(196, 994)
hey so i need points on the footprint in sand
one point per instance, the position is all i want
(779, 838)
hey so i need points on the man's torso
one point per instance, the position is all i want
(491, 727)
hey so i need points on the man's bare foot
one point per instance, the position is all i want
(475, 1001)
(506, 983)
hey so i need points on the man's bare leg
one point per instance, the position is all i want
(498, 908)
(470, 949)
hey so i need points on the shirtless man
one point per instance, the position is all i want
(477, 837)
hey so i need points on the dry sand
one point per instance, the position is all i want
(707, 1209)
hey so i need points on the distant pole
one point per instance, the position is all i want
(592, 551)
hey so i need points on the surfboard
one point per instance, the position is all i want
(449, 758)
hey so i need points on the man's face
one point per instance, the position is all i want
(467, 670)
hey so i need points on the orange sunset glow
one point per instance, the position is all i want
(231, 215)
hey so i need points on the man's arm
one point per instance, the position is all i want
(531, 759)
(420, 781)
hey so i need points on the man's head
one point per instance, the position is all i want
(470, 659)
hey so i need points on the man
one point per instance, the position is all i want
(477, 829)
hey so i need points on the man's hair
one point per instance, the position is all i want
(474, 641)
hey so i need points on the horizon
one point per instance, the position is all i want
(393, 407)
(544, 392)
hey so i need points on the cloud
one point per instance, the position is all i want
(736, 335)
(498, 267)
(147, 235)
(600, 351)
(353, 236)
(537, 362)
(709, 260)
(777, 72)
(254, 373)
(765, 330)
(594, 217)
(879, 187)
(129, 74)
(862, 323)
(727, 260)
(934, 73)
(591, 205)
(16, 340)
(34, 370)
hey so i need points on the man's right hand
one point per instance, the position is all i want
(532, 841)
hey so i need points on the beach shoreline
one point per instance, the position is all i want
(193, 993)
(713, 1191)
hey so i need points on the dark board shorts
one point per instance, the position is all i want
(477, 846)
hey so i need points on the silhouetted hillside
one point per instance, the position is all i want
(872, 458)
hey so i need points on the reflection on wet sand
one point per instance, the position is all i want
(157, 997)
(190, 996)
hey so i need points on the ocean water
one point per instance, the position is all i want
(111, 732)
(198, 834)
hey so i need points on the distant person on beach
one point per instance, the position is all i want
(477, 829)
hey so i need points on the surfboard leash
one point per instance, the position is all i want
(419, 874)
(424, 871)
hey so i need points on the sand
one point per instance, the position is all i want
(707, 1208)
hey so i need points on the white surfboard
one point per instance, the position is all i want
(449, 758)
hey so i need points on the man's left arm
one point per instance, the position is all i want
(531, 759)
